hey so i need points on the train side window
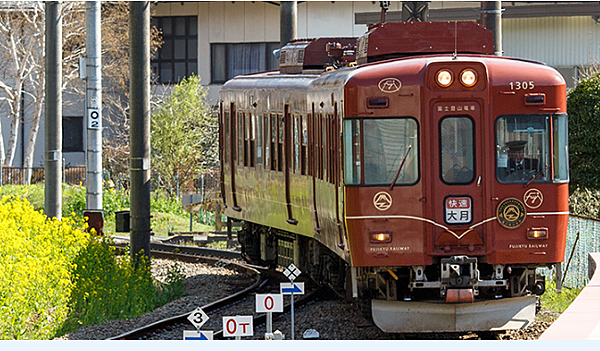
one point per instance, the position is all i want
(457, 150)
(259, 140)
(352, 146)
(252, 141)
(240, 138)
(296, 143)
(226, 150)
(280, 133)
(273, 142)
(561, 148)
(325, 147)
(267, 139)
(523, 150)
(319, 146)
(247, 129)
(304, 147)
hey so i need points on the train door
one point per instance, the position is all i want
(313, 133)
(287, 127)
(457, 192)
(233, 142)
(336, 171)
(223, 133)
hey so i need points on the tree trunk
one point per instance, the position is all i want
(14, 124)
(33, 132)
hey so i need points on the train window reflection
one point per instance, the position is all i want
(385, 145)
(561, 149)
(523, 148)
(457, 150)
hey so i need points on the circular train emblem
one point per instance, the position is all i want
(382, 201)
(511, 213)
(389, 85)
(533, 198)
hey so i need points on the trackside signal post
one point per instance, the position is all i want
(292, 272)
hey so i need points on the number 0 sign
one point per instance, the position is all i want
(269, 303)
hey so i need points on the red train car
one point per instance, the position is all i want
(429, 180)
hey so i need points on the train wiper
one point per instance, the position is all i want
(536, 176)
(400, 168)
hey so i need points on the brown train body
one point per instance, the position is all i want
(432, 182)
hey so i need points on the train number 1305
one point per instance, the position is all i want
(525, 85)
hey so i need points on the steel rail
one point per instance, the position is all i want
(182, 318)
(300, 301)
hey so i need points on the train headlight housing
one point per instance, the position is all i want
(468, 78)
(444, 78)
(537, 233)
(381, 237)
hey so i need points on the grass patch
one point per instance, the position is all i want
(556, 302)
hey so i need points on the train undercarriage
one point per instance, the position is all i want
(457, 293)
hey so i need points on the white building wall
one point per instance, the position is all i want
(556, 41)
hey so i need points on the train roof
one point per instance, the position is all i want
(327, 78)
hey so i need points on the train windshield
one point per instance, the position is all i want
(377, 151)
(524, 148)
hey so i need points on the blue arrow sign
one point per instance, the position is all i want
(295, 289)
(292, 288)
(197, 335)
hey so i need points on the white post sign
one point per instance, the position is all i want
(269, 303)
(94, 120)
(238, 326)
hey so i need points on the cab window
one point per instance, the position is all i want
(523, 148)
(377, 151)
(457, 150)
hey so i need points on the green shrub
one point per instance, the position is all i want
(55, 278)
(107, 287)
(585, 202)
(583, 105)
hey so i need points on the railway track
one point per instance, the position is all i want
(334, 318)
(241, 301)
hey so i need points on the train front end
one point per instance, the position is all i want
(456, 178)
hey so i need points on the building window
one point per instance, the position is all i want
(72, 134)
(178, 56)
(230, 60)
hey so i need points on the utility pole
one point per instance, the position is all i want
(93, 85)
(53, 111)
(491, 19)
(139, 138)
(288, 19)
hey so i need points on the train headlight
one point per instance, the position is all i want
(381, 237)
(468, 78)
(537, 233)
(444, 78)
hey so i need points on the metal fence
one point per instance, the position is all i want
(18, 175)
(583, 237)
